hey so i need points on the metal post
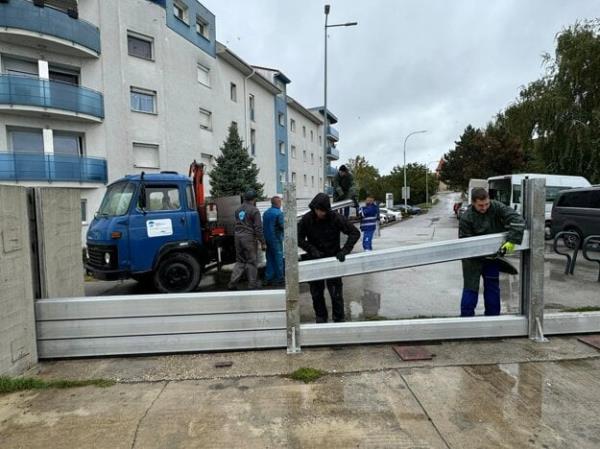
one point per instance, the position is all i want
(426, 186)
(292, 287)
(325, 121)
(532, 260)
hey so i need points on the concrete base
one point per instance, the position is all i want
(474, 394)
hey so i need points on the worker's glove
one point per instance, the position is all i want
(263, 246)
(355, 203)
(341, 255)
(507, 248)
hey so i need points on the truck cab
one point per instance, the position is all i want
(148, 228)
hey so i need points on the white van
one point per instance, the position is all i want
(507, 189)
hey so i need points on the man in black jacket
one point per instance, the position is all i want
(319, 235)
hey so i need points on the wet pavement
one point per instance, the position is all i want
(428, 291)
(510, 393)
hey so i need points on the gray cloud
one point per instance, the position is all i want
(409, 65)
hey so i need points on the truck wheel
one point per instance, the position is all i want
(178, 273)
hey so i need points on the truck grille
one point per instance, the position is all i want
(96, 256)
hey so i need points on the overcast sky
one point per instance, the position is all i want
(409, 65)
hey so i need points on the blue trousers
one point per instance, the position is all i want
(368, 238)
(274, 268)
(491, 292)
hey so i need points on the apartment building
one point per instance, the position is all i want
(93, 90)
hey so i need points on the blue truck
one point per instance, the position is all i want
(156, 228)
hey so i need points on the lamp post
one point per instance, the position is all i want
(325, 120)
(405, 190)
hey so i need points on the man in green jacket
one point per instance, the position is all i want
(486, 216)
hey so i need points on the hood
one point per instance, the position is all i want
(320, 201)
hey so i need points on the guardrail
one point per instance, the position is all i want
(530, 323)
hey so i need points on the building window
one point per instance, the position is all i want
(320, 182)
(305, 181)
(205, 119)
(312, 181)
(280, 85)
(320, 140)
(143, 100)
(321, 160)
(292, 125)
(282, 147)
(251, 106)
(203, 75)
(180, 11)
(83, 211)
(293, 151)
(282, 176)
(281, 119)
(140, 47)
(293, 176)
(145, 155)
(234, 125)
(303, 131)
(26, 140)
(312, 136)
(312, 158)
(67, 143)
(253, 142)
(233, 92)
(202, 27)
(304, 155)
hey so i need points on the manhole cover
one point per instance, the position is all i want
(411, 353)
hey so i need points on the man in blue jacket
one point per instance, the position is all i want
(273, 229)
(369, 215)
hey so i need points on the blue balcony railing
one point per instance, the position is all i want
(31, 91)
(331, 171)
(24, 15)
(329, 190)
(333, 133)
(51, 168)
(333, 153)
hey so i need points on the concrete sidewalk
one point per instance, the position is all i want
(510, 393)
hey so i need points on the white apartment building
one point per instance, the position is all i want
(93, 90)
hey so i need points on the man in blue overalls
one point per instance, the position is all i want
(273, 230)
(369, 215)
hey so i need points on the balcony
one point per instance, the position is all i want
(51, 168)
(332, 153)
(329, 190)
(37, 96)
(333, 134)
(47, 28)
(330, 171)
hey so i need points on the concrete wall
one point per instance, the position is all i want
(59, 239)
(18, 349)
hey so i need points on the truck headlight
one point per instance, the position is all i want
(107, 258)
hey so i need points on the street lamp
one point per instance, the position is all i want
(405, 190)
(325, 122)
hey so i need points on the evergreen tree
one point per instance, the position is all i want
(234, 172)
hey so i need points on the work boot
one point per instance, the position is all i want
(320, 320)
(232, 287)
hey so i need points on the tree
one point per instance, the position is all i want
(560, 113)
(366, 176)
(481, 154)
(415, 179)
(234, 172)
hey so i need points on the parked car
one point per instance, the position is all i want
(461, 210)
(577, 210)
(411, 210)
(397, 215)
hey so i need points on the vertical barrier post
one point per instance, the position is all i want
(292, 287)
(532, 260)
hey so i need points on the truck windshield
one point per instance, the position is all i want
(500, 190)
(117, 199)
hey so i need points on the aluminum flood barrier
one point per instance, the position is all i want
(149, 324)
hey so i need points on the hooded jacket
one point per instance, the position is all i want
(321, 238)
(343, 187)
(248, 223)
